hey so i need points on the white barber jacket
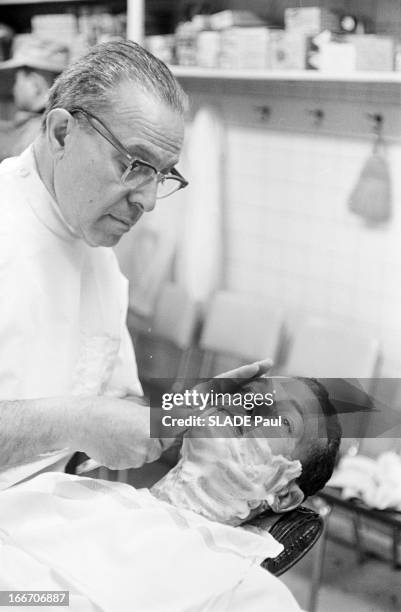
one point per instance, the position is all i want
(63, 305)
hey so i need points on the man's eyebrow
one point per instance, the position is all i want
(143, 153)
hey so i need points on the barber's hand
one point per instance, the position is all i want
(114, 432)
(232, 381)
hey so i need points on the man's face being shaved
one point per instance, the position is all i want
(232, 474)
(300, 412)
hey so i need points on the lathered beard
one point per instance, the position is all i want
(224, 479)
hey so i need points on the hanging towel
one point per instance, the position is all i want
(371, 196)
(199, 257)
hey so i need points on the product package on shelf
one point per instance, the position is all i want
(186, 44)
(373, 52)
(162, 46)
(245, 48)
(208, 49)
(348, 53)
(60, 27)
(97, 26)
(228, 19)
(287, 50)
(310, 20)
(330, 53)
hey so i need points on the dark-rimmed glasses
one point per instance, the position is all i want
(137, 172)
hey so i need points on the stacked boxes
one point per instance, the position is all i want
(313, 38)
(373, 52)
(310, 20)
(287, 50)
(245, 48)
(62, 28)
(208, 49)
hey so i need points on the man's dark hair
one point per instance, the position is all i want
(92, 81)
(318, 467)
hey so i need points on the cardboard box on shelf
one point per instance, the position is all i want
(162, 46)
(397, 57)
(310, 20)
(245, 48)
(208, 49)
(287, 50)
(185, 44)
(373, 52)
(337, 57)
(229, 19)
(61, 28)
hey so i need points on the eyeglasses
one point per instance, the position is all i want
(137, 171)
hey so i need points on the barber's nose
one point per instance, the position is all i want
(144, 196)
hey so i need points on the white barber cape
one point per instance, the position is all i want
(63, 305)
(118, 549)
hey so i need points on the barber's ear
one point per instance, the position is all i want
(59, 124)
(289, 498)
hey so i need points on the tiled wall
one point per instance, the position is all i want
(290, 235)
(292, 239)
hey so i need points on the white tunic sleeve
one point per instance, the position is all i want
(124, 379)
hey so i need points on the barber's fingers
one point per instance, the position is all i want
(233, 380)
(252, 370)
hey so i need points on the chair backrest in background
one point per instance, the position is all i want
(239, 328)
(162, 345)
(324, 349)
(386, 399)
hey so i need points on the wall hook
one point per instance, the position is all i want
(317, 115)
(264, 112)
(377, 120)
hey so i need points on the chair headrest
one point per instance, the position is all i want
(297, 531)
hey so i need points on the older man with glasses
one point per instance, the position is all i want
(111, 136)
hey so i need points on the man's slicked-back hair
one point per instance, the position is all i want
(318, 467)
(91, 82)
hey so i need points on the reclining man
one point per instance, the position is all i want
(175, 547)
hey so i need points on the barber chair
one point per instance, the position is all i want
(297, 531)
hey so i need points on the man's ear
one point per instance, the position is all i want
(288, 498)
(59, 123)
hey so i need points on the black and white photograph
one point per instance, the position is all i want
(200, 305)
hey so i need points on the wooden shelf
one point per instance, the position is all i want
(285, 75)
